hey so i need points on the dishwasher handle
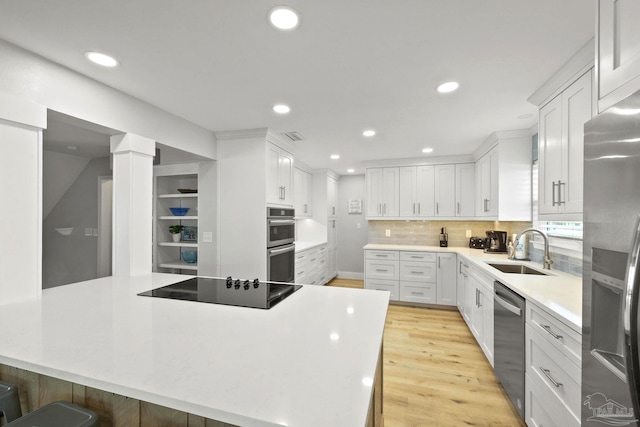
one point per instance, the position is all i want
(507, 305)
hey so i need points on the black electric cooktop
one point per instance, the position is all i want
(243, 293)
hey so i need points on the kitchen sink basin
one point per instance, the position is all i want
(517, 269)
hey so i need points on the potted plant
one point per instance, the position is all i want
(175, 232)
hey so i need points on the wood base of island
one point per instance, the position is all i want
(114, 410)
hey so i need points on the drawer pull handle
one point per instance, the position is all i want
(382, 255)
(550, 332)
(417, 293)
(417, 272)
(381, 270)
(547, 373)
(416, 256)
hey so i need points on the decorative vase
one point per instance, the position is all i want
(176, 237)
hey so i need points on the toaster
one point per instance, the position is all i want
(477, 242)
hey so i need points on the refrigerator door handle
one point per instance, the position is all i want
(630, 319)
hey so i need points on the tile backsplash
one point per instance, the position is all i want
(427, 233)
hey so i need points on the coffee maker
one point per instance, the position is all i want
(496, 241)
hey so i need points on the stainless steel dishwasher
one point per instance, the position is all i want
(509, 353)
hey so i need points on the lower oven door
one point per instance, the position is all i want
(281, 263)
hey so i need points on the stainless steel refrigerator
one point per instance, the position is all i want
(610, 322)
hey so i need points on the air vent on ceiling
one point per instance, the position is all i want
(294, 136)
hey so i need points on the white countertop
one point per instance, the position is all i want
(559, 293)
(244, 366)
(304, 245)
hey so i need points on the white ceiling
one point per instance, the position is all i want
(351, 65)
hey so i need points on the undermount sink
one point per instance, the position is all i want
(517, 269)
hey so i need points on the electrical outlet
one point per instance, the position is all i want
(387, 233)
(468, 233)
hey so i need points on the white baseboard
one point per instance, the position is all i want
(350, 275)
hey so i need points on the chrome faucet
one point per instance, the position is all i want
(546, 259)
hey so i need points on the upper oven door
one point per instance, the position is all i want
(281, 227)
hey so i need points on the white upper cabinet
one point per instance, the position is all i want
(383, 185)
(503, 177)
(465, 189)
(618, 50)
(560, 154)
(303, 184)
(425, 191)
(417, 191)
(445, 190)
(279, 176)
(487, 184)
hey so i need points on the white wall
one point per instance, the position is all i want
(31, 77)
(21, 125)
(352, 228)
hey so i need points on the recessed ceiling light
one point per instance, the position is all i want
(284, 18)
(369, 132)
(281, 108)
(447, 87)
(427, 150)
(101, 59)
(335, 156)
(351, 170)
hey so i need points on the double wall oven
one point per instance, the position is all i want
(281, 234)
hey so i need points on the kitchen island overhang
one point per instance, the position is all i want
(310, 360)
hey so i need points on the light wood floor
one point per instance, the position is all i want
(435, 374)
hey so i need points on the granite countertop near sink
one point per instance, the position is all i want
(558, 292)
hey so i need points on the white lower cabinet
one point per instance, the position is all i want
(311, 266)
(553, 370)
(412, 276)
(479, 309)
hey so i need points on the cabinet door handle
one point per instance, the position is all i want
(553, 193)
(438, 262)
(333, 210)
(380, 208)
(547, 373)
(486, 202)
(550, 332)
(561, 200)
(284, 193)
(418, 208)
(414, 208)
(384, 208)
(305, 208)
(437, 208)
(458, 208)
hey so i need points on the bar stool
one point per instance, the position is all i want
(9, 402)
(58, 414)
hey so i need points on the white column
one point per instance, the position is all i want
(132, 204)
(21, 124)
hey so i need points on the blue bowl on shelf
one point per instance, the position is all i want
(190, 257)
(179, 211)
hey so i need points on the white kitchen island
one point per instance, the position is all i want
(309, 361)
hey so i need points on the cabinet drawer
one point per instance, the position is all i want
(552, 371)
(561, 336)
(386, 270)
(381, 255)
(322, 249)
(418, 271)
(418, 256)
(543, 410)
(302, 256)
(383, 285)
(425, 293)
